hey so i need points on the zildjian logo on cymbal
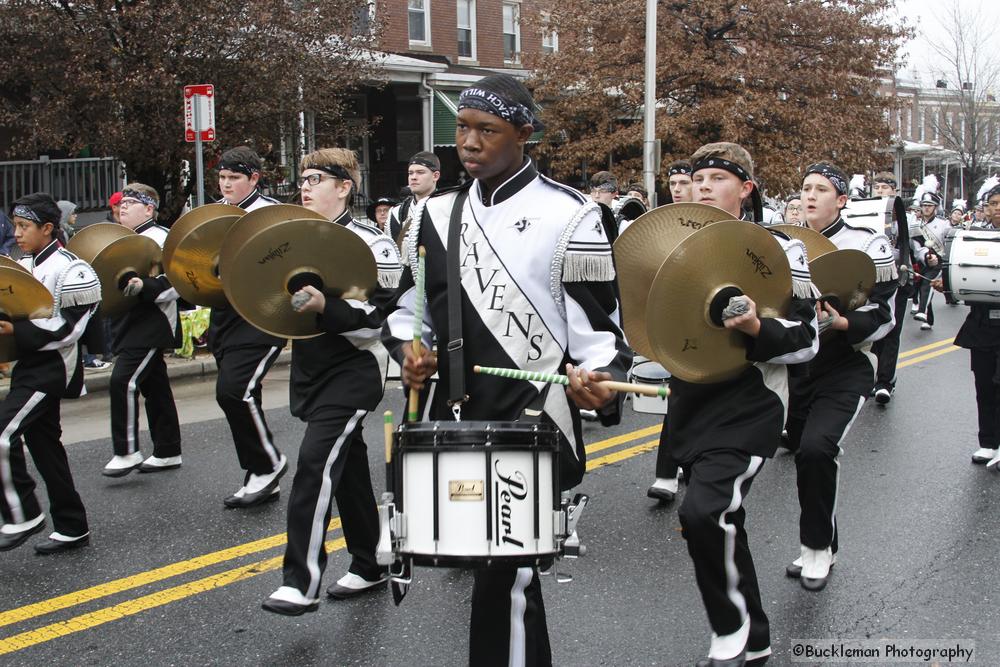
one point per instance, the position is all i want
(275, 253)
(693, 224)
(192, 278)
(758, 264)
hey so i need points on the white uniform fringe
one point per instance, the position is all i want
(390, 279)
(884, 274)
(804, 289)
(587, 267)
(65, 296)
(556, 274)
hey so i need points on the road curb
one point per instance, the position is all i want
(192, 368)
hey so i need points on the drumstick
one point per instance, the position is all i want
(517, 374)
(418, 330)
(390, 482)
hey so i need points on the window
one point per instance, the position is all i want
(419, 15)
(550, 40)
(467, 29)
(511, 32)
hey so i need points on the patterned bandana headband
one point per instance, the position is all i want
(425, 162)
(335, 170)
(830, 173)
(21, 211)
(891, 182)
(488, 101)
(679, 169)
(239, 168)
(141, 196)
(720, 163)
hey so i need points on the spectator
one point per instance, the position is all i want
(66, 222)
(378, 214)
(115, 202)
(7, 241)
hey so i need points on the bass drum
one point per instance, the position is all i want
(627, 209)
(972, 273)
(874, 213)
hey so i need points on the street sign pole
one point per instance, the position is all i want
(199, 167)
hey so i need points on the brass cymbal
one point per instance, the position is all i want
(816, 243)
(642, 248)
(272, 253)
(845, 277)
(22, 297)
(123, 258)
(92, 239)
(722, 260)
(191, 252)
(8, 263)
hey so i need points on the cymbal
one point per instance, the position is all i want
(92, 239)
(22, 297)
(641, 249)
(124, 258)
(816, 243)
(191, 253)
(844, 277)
(8, 263)
(722, 260)
(272, 253)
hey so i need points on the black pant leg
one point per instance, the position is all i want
(123, 391)
(323, 458)
(43, 438)
(666, 466)
(238, 392)
(161, 411)
(836, 400)
(984, 372)
(358, 512)
(18, 410)
(712, 519)
(507, 624)
(887, 349)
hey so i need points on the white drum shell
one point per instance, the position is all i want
(874, 213)
(462, 524)
(974, 267)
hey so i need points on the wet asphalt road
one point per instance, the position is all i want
(180, 579)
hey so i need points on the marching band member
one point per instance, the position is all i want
(980, 334)
(48, 370)
(679, 181)
(722, 432)
(793, 210)
(828, 393)
(537, 292)
(928, 248)
(141, 335)
(244, 354)
(337, 378)
(422, 175)
(886, 349)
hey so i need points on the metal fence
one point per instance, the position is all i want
(87, 182)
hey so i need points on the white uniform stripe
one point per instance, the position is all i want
(322, 503)
(836, 461)
(729, 557)
(258, 419)
(518, 603)
(132, 404)
(6, 476)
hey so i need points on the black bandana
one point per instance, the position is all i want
(425, 162)
(22, 211)
(141, 196)
(887, 180)
(680, 169)
(720, 163)
(239, 168)
(335, 170)
(490, 102)
(992, 193)
(831, 173)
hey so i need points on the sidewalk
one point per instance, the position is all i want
(203, 364)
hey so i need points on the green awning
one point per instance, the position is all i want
(445, 112)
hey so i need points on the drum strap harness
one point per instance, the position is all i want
(456, 361)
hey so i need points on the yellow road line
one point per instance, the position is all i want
(116, 612)
(625, 437)
(925, 357)
(924, 348)
(118, 585)
(622, 454)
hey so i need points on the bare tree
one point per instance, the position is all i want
(969, 120)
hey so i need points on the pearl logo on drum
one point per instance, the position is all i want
(511, 491)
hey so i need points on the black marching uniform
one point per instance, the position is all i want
(537, 287)
(49, 369)
(886, 349)
(244, 354)
(828, 393)
(141, 336)
(980, 335)
(337, 379)
(721, 433)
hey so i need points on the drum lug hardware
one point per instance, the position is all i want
(388, 534)
(572, 547)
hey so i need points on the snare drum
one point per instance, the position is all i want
(646, 371)
(475, 494)
(972, 273)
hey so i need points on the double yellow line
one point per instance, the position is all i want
(134, 606)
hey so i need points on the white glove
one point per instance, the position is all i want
(132, 287)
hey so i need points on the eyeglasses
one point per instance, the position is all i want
(315, 179)
(125, 203)
(793, 209)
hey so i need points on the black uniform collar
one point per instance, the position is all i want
(250, 199)
(47, 252)
(526, 174)
(344, 218)
(837, 225)
(149, 224)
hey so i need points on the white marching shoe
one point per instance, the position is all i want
(159, 464)
(816, 564)
(983, 455)
(664, 490)
(119, 466)
(259, 489)
(993, 465)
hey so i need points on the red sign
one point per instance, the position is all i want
(202, 95)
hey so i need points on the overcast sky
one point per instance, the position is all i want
(926, 15)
